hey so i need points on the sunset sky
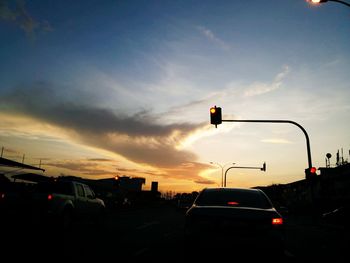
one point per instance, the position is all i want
(104, 88)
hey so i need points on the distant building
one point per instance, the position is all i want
(130, 184)
(154, 187)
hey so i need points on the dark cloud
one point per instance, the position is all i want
(16, 12)
(72, 165)
(41, 100)
(96, 172)
(204, 181)
(138, 171)
(140, 137)
(80, 166)
(127, 170)
(155, 151)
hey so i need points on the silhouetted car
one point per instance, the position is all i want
(66, 200)
(235, 220)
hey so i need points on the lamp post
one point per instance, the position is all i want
(226, 174)
(222, 171)
(324, 1)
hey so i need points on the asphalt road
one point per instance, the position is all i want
(155, 233)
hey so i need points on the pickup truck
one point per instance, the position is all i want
(64, 201)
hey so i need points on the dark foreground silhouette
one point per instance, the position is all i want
(156, 232)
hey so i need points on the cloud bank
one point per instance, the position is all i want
(141, 137)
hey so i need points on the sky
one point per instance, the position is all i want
(99, 89)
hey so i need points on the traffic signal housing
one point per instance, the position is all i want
(263, 167)
(215, 116)
(310, 173)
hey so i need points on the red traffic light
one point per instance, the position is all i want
(313, 170)
(310, 173)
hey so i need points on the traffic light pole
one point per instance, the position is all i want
(239, 167)
(284, 121)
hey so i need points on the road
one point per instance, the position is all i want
(155, 233)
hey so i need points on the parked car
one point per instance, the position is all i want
(64, 201)
(235, 221)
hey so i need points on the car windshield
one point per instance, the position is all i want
(237, 197)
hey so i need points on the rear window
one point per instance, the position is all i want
(234, 198)
(55, 188)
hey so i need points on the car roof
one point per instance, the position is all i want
(216, 189)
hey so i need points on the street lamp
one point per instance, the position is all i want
(263, 168)
(324, 1)
(222, 171)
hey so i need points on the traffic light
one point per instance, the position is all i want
(264, 167)
(310, 173)
(215, 116)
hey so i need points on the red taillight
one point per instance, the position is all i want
(232, 203)
(49, 197)
(2, 195)
(277, 221)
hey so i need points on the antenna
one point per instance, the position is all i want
(328, 157)
(338, 157)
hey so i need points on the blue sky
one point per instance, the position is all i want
(131, 82)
